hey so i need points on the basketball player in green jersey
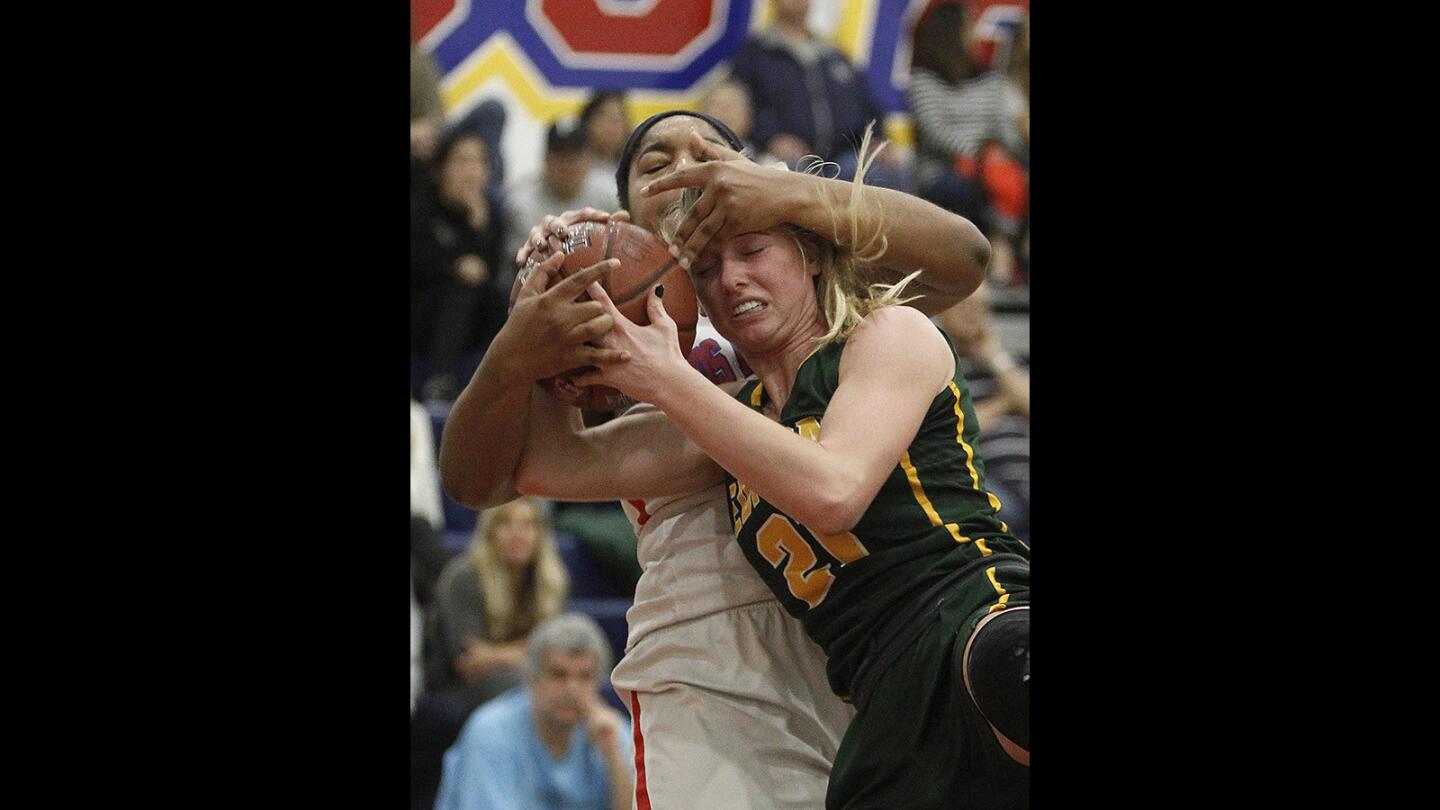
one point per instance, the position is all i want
(854, 487)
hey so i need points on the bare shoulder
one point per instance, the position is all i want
(899, 327)
(903, 340)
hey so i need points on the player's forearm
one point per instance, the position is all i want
(920, 235)
(557, 461)
(635, 455)
(799, 476)
(484, 435)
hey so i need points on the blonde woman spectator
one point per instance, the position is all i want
(489, 599)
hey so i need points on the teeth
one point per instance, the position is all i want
(748, 306)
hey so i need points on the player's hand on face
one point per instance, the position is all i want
(548, 330)
(736, 196)
(652, 353)
(548, 235)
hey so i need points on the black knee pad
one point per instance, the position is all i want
(1000, 674)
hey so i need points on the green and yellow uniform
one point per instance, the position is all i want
(917, 739)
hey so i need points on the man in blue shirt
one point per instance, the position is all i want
(551, 744)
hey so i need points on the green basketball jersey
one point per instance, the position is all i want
(931, 516)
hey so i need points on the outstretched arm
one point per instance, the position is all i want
(741, 197)
(544, 335)
(894, 363)
(640, 454)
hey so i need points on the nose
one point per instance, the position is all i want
(732, 276)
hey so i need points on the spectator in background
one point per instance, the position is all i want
(1000, 390)
(807, 97)
(551, 744)
(490, 598)
(565, 183)
(1019, 75)
(487, 120)
(456, 234)
(729, 103)
(427, 555)
(487, 602)
(427, 111)
(970, 154)
(607, 125)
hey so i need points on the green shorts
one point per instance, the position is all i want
(919, 741)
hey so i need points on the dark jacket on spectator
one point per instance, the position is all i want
(827, 104)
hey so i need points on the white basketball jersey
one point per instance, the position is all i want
(690, 564)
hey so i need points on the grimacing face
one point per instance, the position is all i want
(758, 291)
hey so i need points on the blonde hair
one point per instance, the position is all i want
(844, 298)
(544, 586)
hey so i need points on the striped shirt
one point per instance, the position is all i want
(955, 119)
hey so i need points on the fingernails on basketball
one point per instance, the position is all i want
(685, 262)
(674, 250)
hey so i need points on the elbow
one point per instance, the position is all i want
(838, 510)
(471, 490)
(531, 479)
(527, 482)
(461, 489)
(975, 246)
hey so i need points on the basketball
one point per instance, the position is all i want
(645, 263)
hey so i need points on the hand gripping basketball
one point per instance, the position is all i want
(651, 352)
(644, 263)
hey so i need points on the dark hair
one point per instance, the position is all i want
(565, 135)
(451, 140)
(597, 101)
(938, 45)
(622, 172)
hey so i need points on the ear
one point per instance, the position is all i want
(812, 258)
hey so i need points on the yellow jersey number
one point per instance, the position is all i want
(781, 544)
